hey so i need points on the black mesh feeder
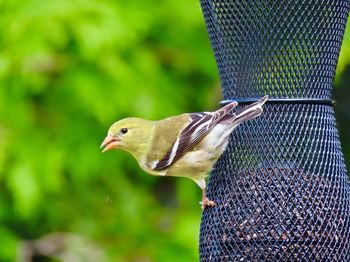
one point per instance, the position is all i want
(281, 187)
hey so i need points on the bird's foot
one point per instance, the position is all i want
(207, 203)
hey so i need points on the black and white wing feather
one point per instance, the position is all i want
(199, 126)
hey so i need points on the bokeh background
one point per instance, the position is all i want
(68, 69)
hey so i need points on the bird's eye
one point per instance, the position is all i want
(123, 130)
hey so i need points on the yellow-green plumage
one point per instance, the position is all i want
(164, 135)
(186, 145)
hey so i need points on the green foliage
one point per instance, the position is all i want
(344, 57)
(68, 69)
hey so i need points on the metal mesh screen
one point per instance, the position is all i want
(281, 187)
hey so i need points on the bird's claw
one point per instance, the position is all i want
(207, 203)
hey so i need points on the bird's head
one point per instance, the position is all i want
(130, 134)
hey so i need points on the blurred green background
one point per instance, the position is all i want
(68, 69)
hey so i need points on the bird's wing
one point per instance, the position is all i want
(199, 126)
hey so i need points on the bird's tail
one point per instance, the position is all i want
(251, 111)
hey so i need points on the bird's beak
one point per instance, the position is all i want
(109, 143)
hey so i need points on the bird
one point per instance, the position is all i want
(186, 145)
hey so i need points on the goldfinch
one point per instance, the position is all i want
(186, 145)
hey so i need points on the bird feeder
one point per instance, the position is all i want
(281, 187)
